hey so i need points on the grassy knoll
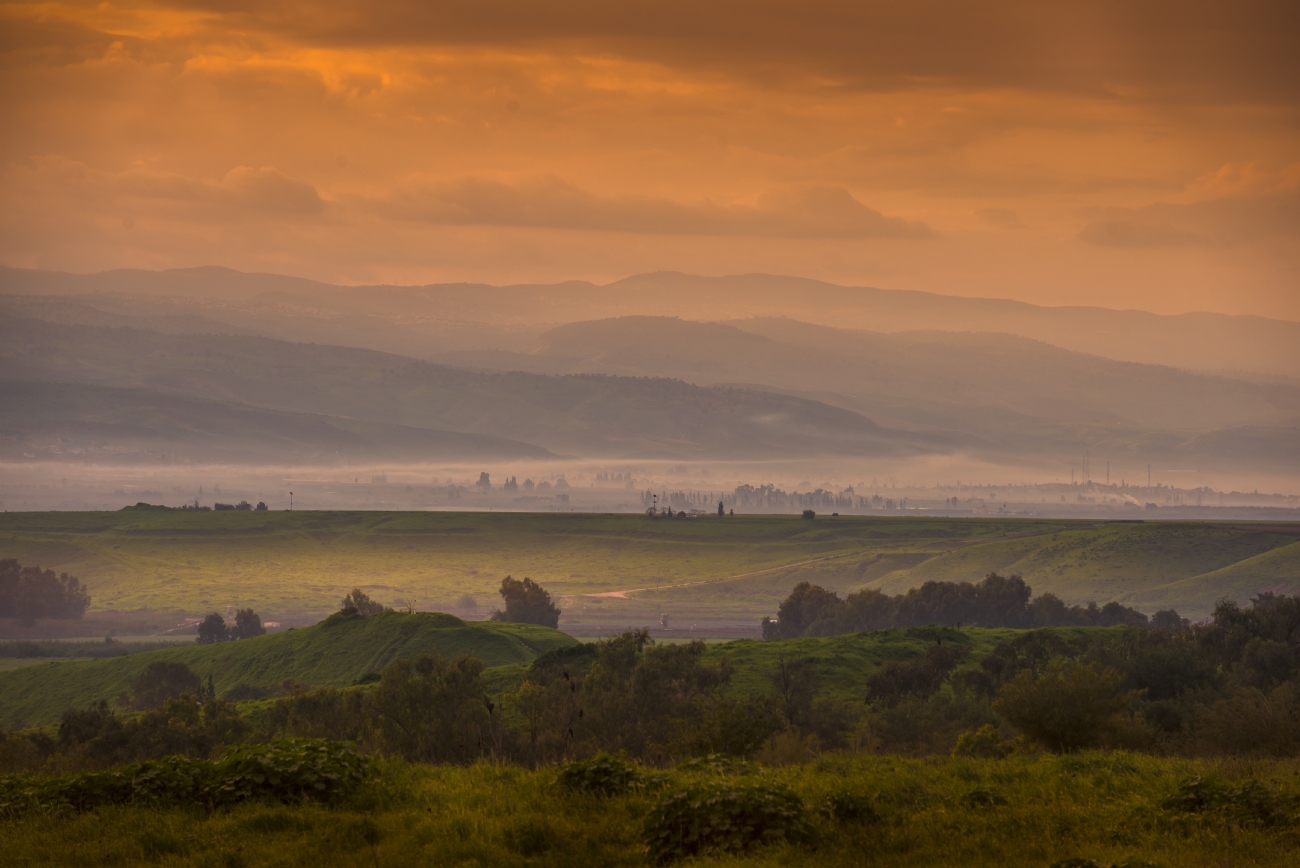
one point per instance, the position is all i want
(335, 652)
(738, 568)
(1028, 810)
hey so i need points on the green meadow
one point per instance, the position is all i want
(739, 567)
(1077, 810)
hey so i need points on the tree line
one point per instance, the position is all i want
(995, 601)
(1230, 686)
(30, 593)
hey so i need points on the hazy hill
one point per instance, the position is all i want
(493, 315)
(335, 652)
(45, 420)
(876, 370)
(591, 415)
(988, 391)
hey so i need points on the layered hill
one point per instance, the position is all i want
(588, 415)
(64, 421)
(478, 316)
(338, 651)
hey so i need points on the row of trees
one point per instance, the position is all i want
(996, 601)
(526, 602)
(214, 628)
(30, 593)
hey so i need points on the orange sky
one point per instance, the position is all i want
(1114, 153)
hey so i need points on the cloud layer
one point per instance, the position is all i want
(1097, 152)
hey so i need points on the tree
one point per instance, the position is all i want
(213, 629)
(162, 680)
(1071, 706)
(429, 710)
(527, 603)
(30, 593)
(358, 603)
(247, 625)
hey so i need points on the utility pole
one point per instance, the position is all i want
(291, 501)
(1148, 476)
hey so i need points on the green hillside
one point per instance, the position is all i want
(1118, 561)
(337, 651)
(298, 564)
(285, 562)
(1276, 570)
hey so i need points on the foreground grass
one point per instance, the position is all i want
(1023, 811)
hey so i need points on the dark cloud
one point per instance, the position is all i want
(1201, 50)
(549, 202)
(1211, 223)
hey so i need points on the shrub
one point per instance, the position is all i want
(721, 821)
(1071, 706)
(984, 743)
(1248, 804)
(849, 808)
(603, 775)
(285, 771)
(162, 680)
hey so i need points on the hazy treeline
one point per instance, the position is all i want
(996, 601)
(30, 593)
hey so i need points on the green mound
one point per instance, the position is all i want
(1277, 570)
(337, 651)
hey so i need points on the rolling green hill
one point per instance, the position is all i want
(1276, 570)
(337, 651)
(304, 562)
(735, 569)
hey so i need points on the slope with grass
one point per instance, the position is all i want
(285, 562)
(737, 569)
(1276, 570)
(1124, 562)
(337, 651)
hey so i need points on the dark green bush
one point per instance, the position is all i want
(286, 771)
(603, 775)
(1249, 804)
(721, 820)
(849, 808)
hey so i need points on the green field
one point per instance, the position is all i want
(336, 652)
(1022, 812)
(738, 568)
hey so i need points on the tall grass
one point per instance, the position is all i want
(1028, 810)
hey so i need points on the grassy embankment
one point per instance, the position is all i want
(336, 652)
(738, 568)
(1032, 810)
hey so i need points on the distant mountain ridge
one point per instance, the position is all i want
(1195, 341)
(575, 415)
